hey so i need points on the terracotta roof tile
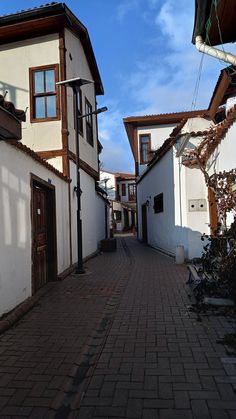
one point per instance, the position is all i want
(9, 106)
(30, 9)
(39, 159)
(181, 114)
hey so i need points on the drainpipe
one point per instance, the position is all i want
(214, 52)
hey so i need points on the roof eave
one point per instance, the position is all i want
(58, 15)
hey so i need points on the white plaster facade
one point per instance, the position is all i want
(72, 53)
(185, 216)
(122, 210)
(176, 225)
(158, 133)
(15, 214)
(47, 136)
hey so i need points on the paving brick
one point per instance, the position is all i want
(175, 414)
(150, 414)
(127, 318)
(200, 409)
(219, 414)
(120, 397)
(113, 412)
(221, 404)
(134, 408)
(165, 391)
(204, 395)
(181, 400)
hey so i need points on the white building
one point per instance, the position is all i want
(39, 47)
(171, 201)
(175, 206)
(121, 190)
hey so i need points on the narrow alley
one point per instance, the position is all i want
(118, 342)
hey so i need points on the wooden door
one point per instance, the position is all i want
(144, 223)
(40, 250)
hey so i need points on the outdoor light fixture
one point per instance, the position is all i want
(75, 85)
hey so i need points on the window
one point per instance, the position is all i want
(89, 122)
(80, 112)
(117, 215)
(43, 94)
(123, 189)
(145, 146)
(158, 203)
(132, 190)
(118, 193)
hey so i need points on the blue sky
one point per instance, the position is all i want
(146, 60)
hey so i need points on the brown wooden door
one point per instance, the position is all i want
(40, 251)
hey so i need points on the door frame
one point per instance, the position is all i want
(51, 229)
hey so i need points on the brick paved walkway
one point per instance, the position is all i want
(118, 343)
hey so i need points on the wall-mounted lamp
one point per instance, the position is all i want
(148, 202)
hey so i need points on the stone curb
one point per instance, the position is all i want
(17, 313)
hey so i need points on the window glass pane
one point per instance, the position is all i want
(50, 80)
(145, 152)
(40, 107)
(145, 139)
(51, 106)
(38, 82)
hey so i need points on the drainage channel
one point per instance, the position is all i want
(69, 401)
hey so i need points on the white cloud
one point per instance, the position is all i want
(164, 79)
(125, 8)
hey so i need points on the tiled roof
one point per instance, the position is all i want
(31, 9)
(9, 106)
(39, 159)
(211, 140)
(181, 115)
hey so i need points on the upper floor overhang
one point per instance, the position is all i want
(48, 19)
(131, 124)
(215, 24)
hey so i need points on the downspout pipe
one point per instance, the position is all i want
(214, 52)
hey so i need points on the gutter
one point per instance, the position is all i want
(214, 52)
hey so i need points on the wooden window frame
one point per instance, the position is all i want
(80, 112)
(118, 192)
(32, 70)
(142, 161)
(158, 203)
(117, 216)
(131, 196)
(123, 189)
(89, 126)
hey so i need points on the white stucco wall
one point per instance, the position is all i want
(125, 198)
(101, 223)
(175, 225)
(90, 215)
(78, 67)
(110, 184)
(15, 215)
(224, 158)
(18, 57)
(159, 133)
(116, 205)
